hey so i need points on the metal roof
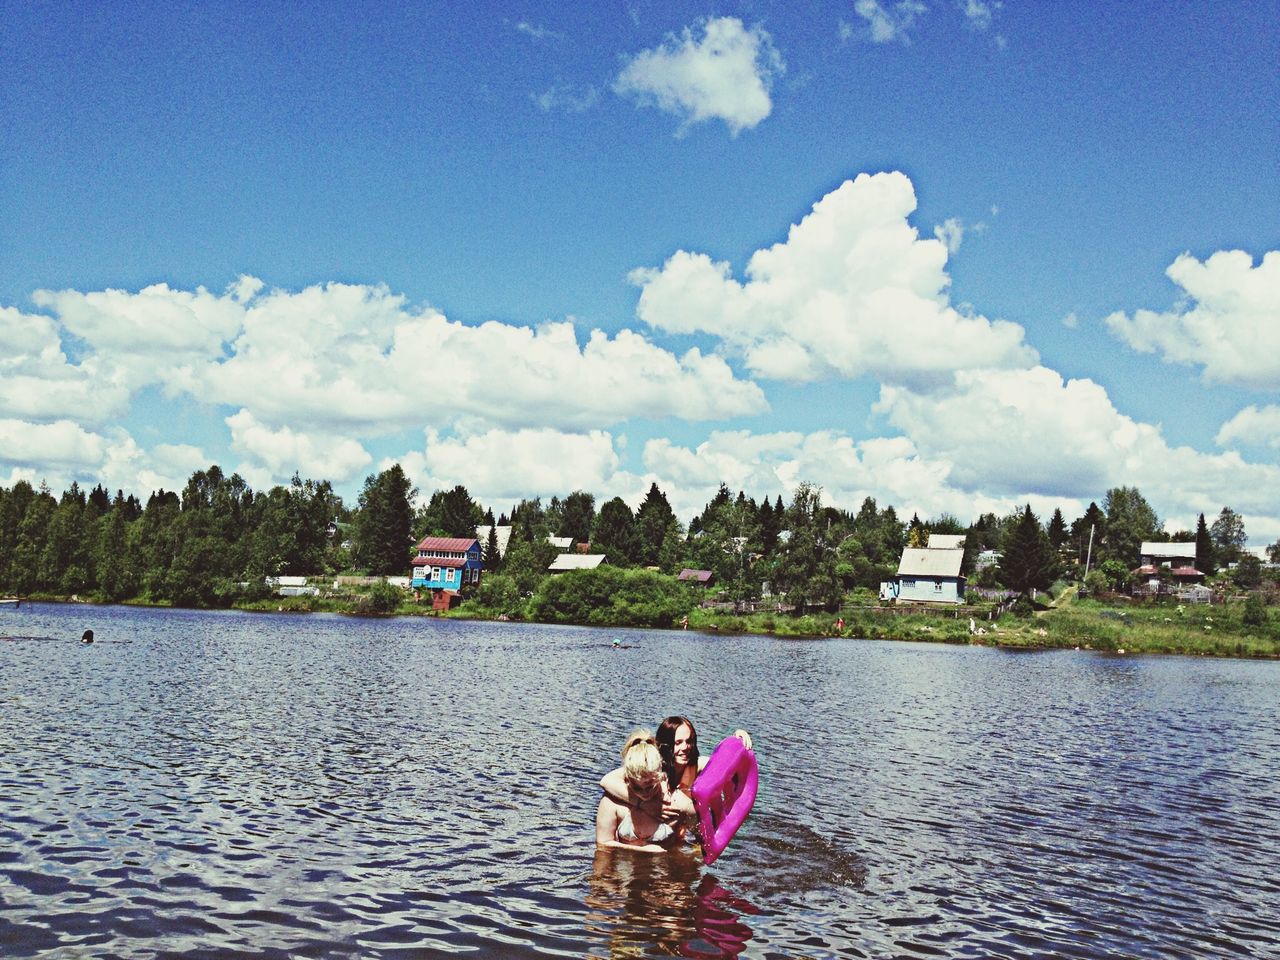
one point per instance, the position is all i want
(927, 562)
(946, 541)
(1167, 551)
(576, 561)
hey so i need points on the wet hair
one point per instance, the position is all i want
(666, 738)
(640, 758)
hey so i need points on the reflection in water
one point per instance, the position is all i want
(642, 902)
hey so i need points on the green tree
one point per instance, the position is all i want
(1130, 521)
(1057, 529)
(1087, 535)
(1204, 548)
(450, 513)
(384, 522)
(574, 515)
(654, 523)
(806, 571)
(1228, 537)
(614, 533)
(1029, 562)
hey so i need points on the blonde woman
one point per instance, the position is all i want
(637, 825)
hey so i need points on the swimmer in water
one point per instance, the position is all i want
(87, 637)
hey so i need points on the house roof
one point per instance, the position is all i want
(562, 543)
(451, 544)
(927, 562)
(501, 533)
(701, 576)
(576, 561)
(439, 562)
(1186, 572)
(946, 541)
(1167, 551)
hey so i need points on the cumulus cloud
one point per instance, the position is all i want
(1228, 321)
(727, 75)
(38, 383)
(1252, 427)
(283, 451)
(852, 291)
(498, 466)
(146, 335)
(951, 233)
(348, 357)
(1032, 435)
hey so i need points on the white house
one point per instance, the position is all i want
(502, 534)
(1176, 560)
(927, 575)
(575, 561)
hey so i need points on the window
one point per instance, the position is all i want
(448, 575)
(937, 586)
(435, 573)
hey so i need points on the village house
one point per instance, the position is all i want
(1173, 564)
(575, 561)
(927, 575)
(700, 578)
(444, 565)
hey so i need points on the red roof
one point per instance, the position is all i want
(439, 562)
(1186, 572)
(453, 544)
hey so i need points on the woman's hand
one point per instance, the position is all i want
(678, 807)
(744, 737)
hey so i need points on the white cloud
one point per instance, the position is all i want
(346, 357)
(144, 336)
(951, 233)
(727, 75)
(1031, 435)
(38, 383)
(566, 98)
(852, 291)
(501, 467)
(1252, 427)
(979, 14)
(1228, 322)
(537, 32)
(890, 22)
(1071, 321)
(60, 446)
(284, 450)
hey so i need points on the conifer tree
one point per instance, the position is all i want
(1029, 562)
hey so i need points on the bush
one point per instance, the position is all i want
(610, 596)
(1022, 607)
(383, 598)
(1255, 614)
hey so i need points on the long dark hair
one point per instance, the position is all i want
(666, 737)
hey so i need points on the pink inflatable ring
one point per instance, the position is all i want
(723, 795)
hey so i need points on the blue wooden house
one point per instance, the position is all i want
(444, 565)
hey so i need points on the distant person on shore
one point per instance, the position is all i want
(677, 742)
(637, 825)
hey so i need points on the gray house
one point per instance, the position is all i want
(927, 575)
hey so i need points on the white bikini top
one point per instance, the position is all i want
(627, 831)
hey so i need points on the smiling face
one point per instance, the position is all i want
(683, 746)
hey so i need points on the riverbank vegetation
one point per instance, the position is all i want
(797, 569)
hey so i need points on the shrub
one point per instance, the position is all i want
(1255, 614)
(383, 598)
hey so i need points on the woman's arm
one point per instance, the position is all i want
(614, 785)
(606, 823)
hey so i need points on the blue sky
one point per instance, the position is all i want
(957, 256)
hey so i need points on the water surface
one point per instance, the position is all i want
(226, 784)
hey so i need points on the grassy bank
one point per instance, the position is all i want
(1116, 625)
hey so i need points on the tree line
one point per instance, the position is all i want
(217, 541)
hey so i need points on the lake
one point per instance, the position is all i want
(214, 784)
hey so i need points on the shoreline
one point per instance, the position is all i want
(1095, 626)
